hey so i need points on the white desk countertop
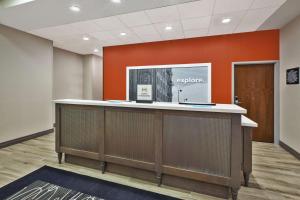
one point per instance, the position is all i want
(222, 108)
(248, 122)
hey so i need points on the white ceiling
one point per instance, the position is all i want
(192, 19)
(289, 11)
(36, 14)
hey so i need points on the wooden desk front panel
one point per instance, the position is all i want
(199, 142)
(130, 134)
(81, 128)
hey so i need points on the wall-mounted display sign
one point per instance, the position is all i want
(292, 76)
(171, 83)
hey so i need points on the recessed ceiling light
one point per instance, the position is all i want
(96, 50)
(116, 1)
(123, 34)
(168, 28)
(74, 8)
(226, 20)
(86, 38)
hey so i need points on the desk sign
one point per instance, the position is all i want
(144, 92)
(292, 76)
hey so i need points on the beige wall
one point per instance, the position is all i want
(98, 78)
(290, 94)
(32, 74)
(76, 76)
(92, 77)
(25, 84)
(67, 75)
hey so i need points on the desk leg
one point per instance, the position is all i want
(159, 180)
(247, 154)
(246, 178)
(59, 155)
(234, 193)
(103, 166)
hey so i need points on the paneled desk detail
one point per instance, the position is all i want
(247, 126)
(192, 147)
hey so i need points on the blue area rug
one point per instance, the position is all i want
(48, 183)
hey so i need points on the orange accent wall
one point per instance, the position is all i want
(221, 51)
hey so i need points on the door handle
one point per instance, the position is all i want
(236, 100)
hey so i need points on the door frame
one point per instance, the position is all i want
(276, 91)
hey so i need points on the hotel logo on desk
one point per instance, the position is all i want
(144, 93)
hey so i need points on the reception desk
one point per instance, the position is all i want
(199, 148)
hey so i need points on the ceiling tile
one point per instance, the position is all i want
(254, 18)
(123, 41)
(64, 30)
(132, 40)
(106, 35)
(142, 31)
(196, 9)
(109, 23)
(196, 23)
(41, 33)
(195, 33)
(176, 28)
(217, 27)
(151, 38)
(76, 40)
(129, 38)
(86, 27)
(165, 14)
(56, 31)
(267, 3)
(117, 33)
(135, 19)
(173, 36)
(113, 42)
(175, 33)
(147, 33)
(80, 49)
(63, 46)
(228, 6)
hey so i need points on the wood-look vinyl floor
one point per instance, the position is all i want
(276, 173)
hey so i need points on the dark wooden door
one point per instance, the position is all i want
(254, 89)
